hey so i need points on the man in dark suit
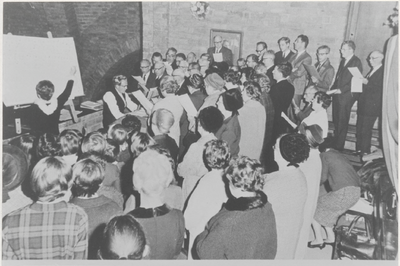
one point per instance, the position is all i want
(298, 77)
(285, 53)
(370, 103)
(343, 98)
(261, 49)
(179, 77)
(171, 58)
(148, 76)
(159, 71)
(268, 60)
(281, 95)
(324, 69)
(226, 53)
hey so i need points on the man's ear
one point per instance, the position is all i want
(146, 251)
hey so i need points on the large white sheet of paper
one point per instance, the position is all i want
(147, 105)
(153, 92)
(28, 60)
(187, 104)
(356, 81)
(293, 125)
(218, 57)
(312, 71)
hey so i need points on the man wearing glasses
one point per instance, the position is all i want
(159, 70)
(171, 57)
(324, 69)
(148, 76)
(268, 60)
(370, 103)
(219, 48)
(343, 98)
(261, 48)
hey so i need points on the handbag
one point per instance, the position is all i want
(356, 243)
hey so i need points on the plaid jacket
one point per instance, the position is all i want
(46, 231)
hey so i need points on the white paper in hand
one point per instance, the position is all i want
(168, 68)
(187, 104)
(218, 57)
(147, 105)
(139, 79)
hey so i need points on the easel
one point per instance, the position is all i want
(18, 126)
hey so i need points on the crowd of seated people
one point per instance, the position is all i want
(228, 178)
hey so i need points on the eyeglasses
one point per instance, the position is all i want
(218, 42)
(265, 58)
(344, 49)
(143, 67)
(321, 53)
(373, 57)
(157, 69)
(259, 51)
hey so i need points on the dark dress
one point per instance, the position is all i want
(244, 229)
(168, 143)
(40, 122)
(164, 229)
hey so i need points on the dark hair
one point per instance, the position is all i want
(118, 79)
(350, 44)
(263, 81)
(304, 39)
(172, 49)
(294, 148)
(313, 134)
(45, 89)
(70, 140)
(196, 81)
(285, 39)
(263, 44)
(211, 119)
(253, 90)
(194, 65)
(45, 145)
(112, 150)
(324, 47)
(285, 69)
(206, 55)
(253, 57)
(246, 174)
(87, 175)
(232, 100)
(181, 55)
(232, 76)
(327, 144)
(156, 54)
(25, 143)
(131, 123)
(216, 154)
(119, 226)
(249, 72)
(326, 100)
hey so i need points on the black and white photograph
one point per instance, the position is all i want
(231, 130)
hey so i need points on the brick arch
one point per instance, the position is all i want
(104, 43)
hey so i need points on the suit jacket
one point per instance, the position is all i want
(299, 77)
(271, 76)
(281, 94)
(370, 102)
(343, 77)
(227, 55)
(279, 59)
(151, 80)
(157, 81)
(327, 73)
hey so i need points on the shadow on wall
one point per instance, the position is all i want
(129, 65)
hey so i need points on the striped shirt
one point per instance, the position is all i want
(46, 231)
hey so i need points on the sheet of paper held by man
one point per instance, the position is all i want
(356, 81)
(147, 105)
(312, 71)
(218, 57)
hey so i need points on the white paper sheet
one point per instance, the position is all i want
(218, 57)
(187, 104)
(356, 81)
(139, 79)
(168, 68)
(147, 105)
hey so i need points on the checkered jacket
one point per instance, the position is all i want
(46, 231)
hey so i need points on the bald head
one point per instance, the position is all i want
(375, 58)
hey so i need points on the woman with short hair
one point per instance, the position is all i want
(229, 103)
(245, 227)
(287, 191)
(319, 116)
(164, 227)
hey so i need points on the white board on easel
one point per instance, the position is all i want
(28, 60)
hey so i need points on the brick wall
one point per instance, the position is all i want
(105, 33)
(167, 24)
